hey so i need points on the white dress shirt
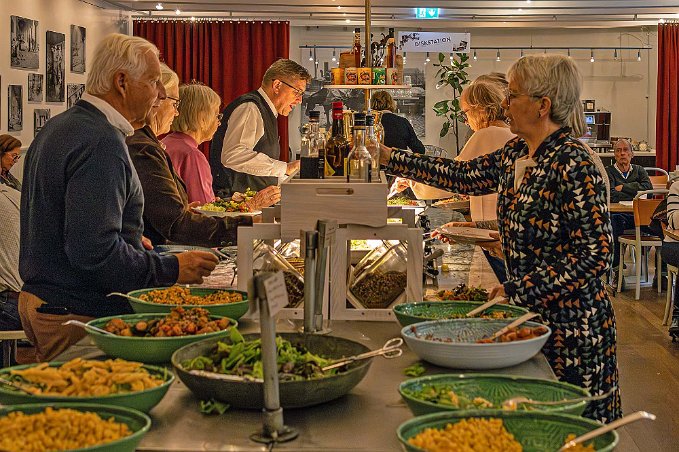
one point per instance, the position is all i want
(10, 200)
(112, 115)
(244, 130)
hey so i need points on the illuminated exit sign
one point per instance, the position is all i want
(427, 13)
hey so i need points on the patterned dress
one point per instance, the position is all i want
(556, 238)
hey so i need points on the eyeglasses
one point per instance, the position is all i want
(15, 157)
(463, 115)
(510, 95)
(298, 92)
(175, 102)
(220, 116)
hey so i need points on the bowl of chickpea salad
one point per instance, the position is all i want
(224, 302)
(76, 427)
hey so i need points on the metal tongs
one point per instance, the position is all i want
(390, 349)
(637, 416)
(485, 306)
(88, 327)
(514, 402)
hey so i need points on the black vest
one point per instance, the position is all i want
(225, 181)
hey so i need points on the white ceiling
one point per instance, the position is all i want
(459, 13)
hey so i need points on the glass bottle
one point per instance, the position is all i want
(391, 50)
(309, 152)
(359, 164)
(357, 47)
(384, 281)
(373, 146)
(337, 148)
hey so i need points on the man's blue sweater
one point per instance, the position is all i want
(81, 217)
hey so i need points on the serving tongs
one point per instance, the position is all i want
(88, 327)
(124, 295)
(485, 306)
(637, 416)
(527, 316)
(14, 385)
(514, 402)
(390, 349)
(227, 377)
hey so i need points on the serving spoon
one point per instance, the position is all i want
(514, 402)
(124, 295)
(15, 386)
(485, 306)
(607, 428)
(88, 327)
(527, 316)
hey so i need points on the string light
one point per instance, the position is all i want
(177, 11)
(159, 6)
(497, 58)
(591, 59)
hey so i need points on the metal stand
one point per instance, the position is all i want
(310, 246)
(326, 239)
(273, 429)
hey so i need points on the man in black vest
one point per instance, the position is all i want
(245, 150)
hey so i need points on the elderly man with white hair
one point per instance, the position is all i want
(626, 179)
(82, 203)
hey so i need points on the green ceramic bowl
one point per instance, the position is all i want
(143, 401)
(139, 423)
(494, 388)
(409, 313)
(231, 310)
(537, 431)
(145, 349)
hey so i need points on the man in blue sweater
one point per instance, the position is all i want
(82, 204)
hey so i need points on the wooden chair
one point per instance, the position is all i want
(9, 339)
(660, 179)
(643, 209)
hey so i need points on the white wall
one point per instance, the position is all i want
(57, 16)
(625, 87)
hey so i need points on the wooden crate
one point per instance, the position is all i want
(305, 201)
(340, 266)
(244, 260)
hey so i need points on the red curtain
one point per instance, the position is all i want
(230, 57)
(667, 114)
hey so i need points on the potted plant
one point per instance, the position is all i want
(455, 76)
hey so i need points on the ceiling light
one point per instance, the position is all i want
(177, 11)
(193, 19)
(427, 60)
(639, 55)
(591, 59)
(339, 6)
(311, 57)
(661, 21)
(347, 20)
(615, 54)
(569, 52)
(404, 57)
(521, 53)
(451, 57)
(159, 6)
(475, 57)
(497, 58)
(527, 1)
(334, 55)
(519, 10)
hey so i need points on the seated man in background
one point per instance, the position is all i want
(626, 181)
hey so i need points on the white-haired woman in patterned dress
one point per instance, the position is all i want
(553, 221)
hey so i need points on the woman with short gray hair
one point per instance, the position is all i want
(553, 222)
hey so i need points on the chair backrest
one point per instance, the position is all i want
(659, 180)
(644, 208)
(656, 170)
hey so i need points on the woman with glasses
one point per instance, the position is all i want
(167, 213)
(553, 221)
(10, 153)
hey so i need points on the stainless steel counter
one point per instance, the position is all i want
(364, 420)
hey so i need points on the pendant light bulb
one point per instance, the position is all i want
(159, 6)
(334, 55)
(497, 57)
(178, 11)
(427, 60)
(311, 57)
(639, 55)
(591, 59)
(475, 57)
(615, 54)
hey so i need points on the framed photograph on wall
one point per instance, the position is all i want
(35, 87)
(78, 49)
(24, 43)
(15, 107)
(75, 92)
(55, 72)
(40, 117)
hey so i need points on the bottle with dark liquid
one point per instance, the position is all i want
(313, 149)
(337, 149)
(357, 47)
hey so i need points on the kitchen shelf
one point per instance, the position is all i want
(368, 86)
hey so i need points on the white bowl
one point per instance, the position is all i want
(463, 352)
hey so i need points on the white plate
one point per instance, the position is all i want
(452, 205)
(419, 205)
(212, 213)
(467, 235)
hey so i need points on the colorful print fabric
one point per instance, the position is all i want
(557, 242)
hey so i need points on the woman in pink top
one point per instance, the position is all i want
(198, 119)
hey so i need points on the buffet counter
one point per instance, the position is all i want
(365, 419)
